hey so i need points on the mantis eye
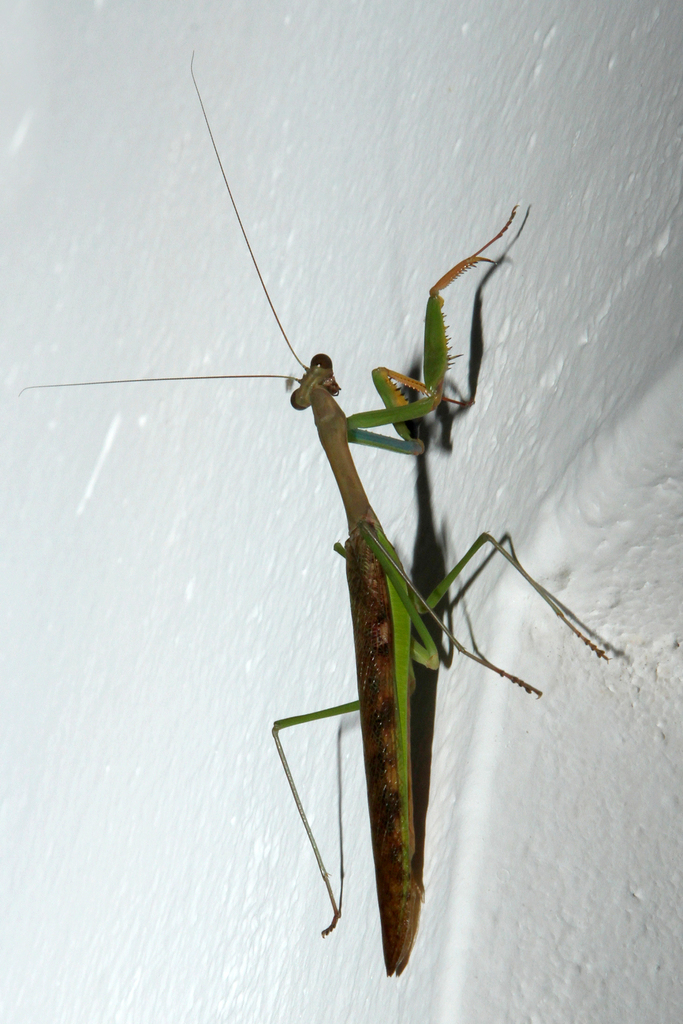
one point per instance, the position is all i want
(323, 362)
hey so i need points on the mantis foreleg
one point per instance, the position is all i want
(437, 359)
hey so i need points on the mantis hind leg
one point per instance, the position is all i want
(486, 538)
(286, 723)
(418, 606)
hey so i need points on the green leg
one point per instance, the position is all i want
(285, 723)
(412, 599)
(398, 415)
(437, 359)
(486, 538)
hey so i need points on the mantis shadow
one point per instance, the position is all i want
(429, 567)
(428, 570)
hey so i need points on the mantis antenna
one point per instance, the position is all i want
(239, 219)
(213, 376)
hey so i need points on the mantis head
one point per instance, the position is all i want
(320, 374)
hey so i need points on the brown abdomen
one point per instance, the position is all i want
(398, 894)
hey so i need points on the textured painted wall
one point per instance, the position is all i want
(168, 581)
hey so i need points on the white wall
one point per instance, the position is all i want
(168, 581)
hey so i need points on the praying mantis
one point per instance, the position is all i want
(385, 608)
(387, 611)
